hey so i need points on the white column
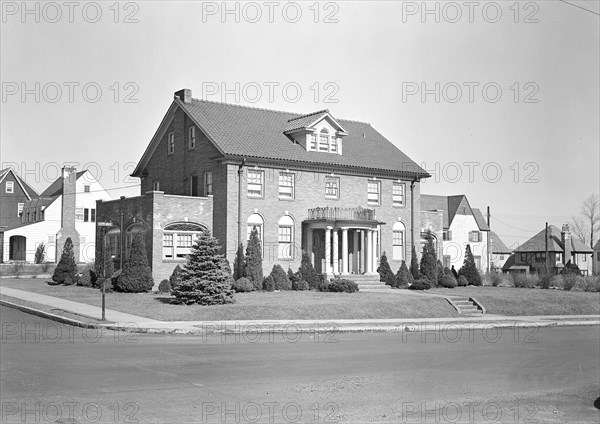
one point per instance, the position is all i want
(375, 235)
(336, 252)
(355, 252)
(309, 245)
(369, 251)
(328, 250)
(344, 251)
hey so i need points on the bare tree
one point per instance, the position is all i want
(591, 212)
(579, 226)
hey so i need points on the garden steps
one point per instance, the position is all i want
(465, 305)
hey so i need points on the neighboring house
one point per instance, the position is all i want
(14, 193)
(462, 226)
(500, 253)
(335, 188)
(67, 208)
(596, 259)
(562, 247)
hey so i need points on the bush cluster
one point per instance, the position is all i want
(448, 281)
(268, 284)
(462, 281)
(280, 278)
(164, 286)
(243, 285)
(421, 284)
(339, 285)
(300, 285)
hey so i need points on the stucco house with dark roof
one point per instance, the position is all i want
(500, 253)
(462, 225)
(561, 246)
(307, 182)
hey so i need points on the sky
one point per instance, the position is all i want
(496, 100)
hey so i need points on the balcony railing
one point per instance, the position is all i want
(341, 214)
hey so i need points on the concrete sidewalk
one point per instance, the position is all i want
(129, 322)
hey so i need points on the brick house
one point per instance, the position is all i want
(332, 187)
(562, 247)
(462, 225)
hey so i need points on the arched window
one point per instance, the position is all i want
(178, 239)
(398, 241)
(286, 237)
(255, 221)
(113, 241)
(324, 140)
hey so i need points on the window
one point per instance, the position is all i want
(34, 215)
(178, 239)
(324, 140)
(20, 208)
(501, 257)
(286, 237)
(286, 185)
(332, 187)
(255, 183)
(10, 187)
(93, 215)
(312, 139)
(474, 236)
(478, 262)
(524, 257)
(208, 183)
(192, 138)
(86, 188)
(334, 144)
(113, 241)
(398, 191)
(446, 261)
(447, 235)
(86, 215)
(79, 214)
(583, 258)
(398, 232)
(170, 144)
(156, 185)
(193, 185)
(540, 256)
(255, 221)
(373, 192)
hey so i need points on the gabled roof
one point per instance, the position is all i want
(27, 189)
(240, 131)
(537, 243)
(56, 188)
(451, 206)
(305, 121)
(498, 245)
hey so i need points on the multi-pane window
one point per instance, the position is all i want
(178, 240)
(86, 188)
(86, 215)
(255, 183)
(255, 221)
(171, 143)
(332, 187)
(447, 235)
(93, 215)
(446, 261)
(312, 141)
(334, 144)
(208, 183)
(286, 237)
(373, 192)
(324, 140)
(192, 138)
(79, 214)
(523, 257)
(168, 245)
(478, 262)
(398, 191)
(286, 185)
(540, 256)
(10, 187)
(474, 236)
(20, 207)
(398, 244)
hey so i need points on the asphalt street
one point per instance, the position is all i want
(52, 372)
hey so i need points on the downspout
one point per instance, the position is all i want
(240, 233)
(412, 215)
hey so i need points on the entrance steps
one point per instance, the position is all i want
(366, 281)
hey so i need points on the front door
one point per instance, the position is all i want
(16, 250)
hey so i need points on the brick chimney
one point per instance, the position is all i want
(184, 95)
(69, 180)
(565, 238)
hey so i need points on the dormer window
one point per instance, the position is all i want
(324, 140)
(316, 132)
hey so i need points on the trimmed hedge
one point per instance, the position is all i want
(300, 285)
(280, 278)
(421, 284)
(339, 285)
(164, 286)
(448, 281)
(268, 284)
(462, 281)
(243, 285)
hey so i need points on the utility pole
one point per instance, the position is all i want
(546, 248)
(489, 251)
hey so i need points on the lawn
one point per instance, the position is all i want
(257, 305)
(516, 301)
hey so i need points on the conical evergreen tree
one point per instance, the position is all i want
(66, 267)
(253, 260)
(385, 271)
(402, 276)
(206, 278)
(428, 259)
(136, 276)
(307, 272)
(469, 269)
(414, 264)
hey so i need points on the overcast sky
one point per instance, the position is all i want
(515, 125)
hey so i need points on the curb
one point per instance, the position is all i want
(48, 315)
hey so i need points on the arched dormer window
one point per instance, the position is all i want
(324, 140)
(178, 239)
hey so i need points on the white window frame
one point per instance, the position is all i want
(473, 239)
(371, 193)
(287, 185)
(86, 188)
(256, 183)
(177, 242)
(335, 185)
(170, 143)
(20, 207)
(399, 194)
(312, 142)
(208, 183)
(323, 140)
(285, 238)
(78, 214)
(10, 187)
(398, 249)
(191, 138)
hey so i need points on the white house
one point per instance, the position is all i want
(69, 202)
(462, 226)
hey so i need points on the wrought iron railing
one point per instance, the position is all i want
(338, 214)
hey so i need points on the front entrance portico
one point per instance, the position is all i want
(343, 241)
